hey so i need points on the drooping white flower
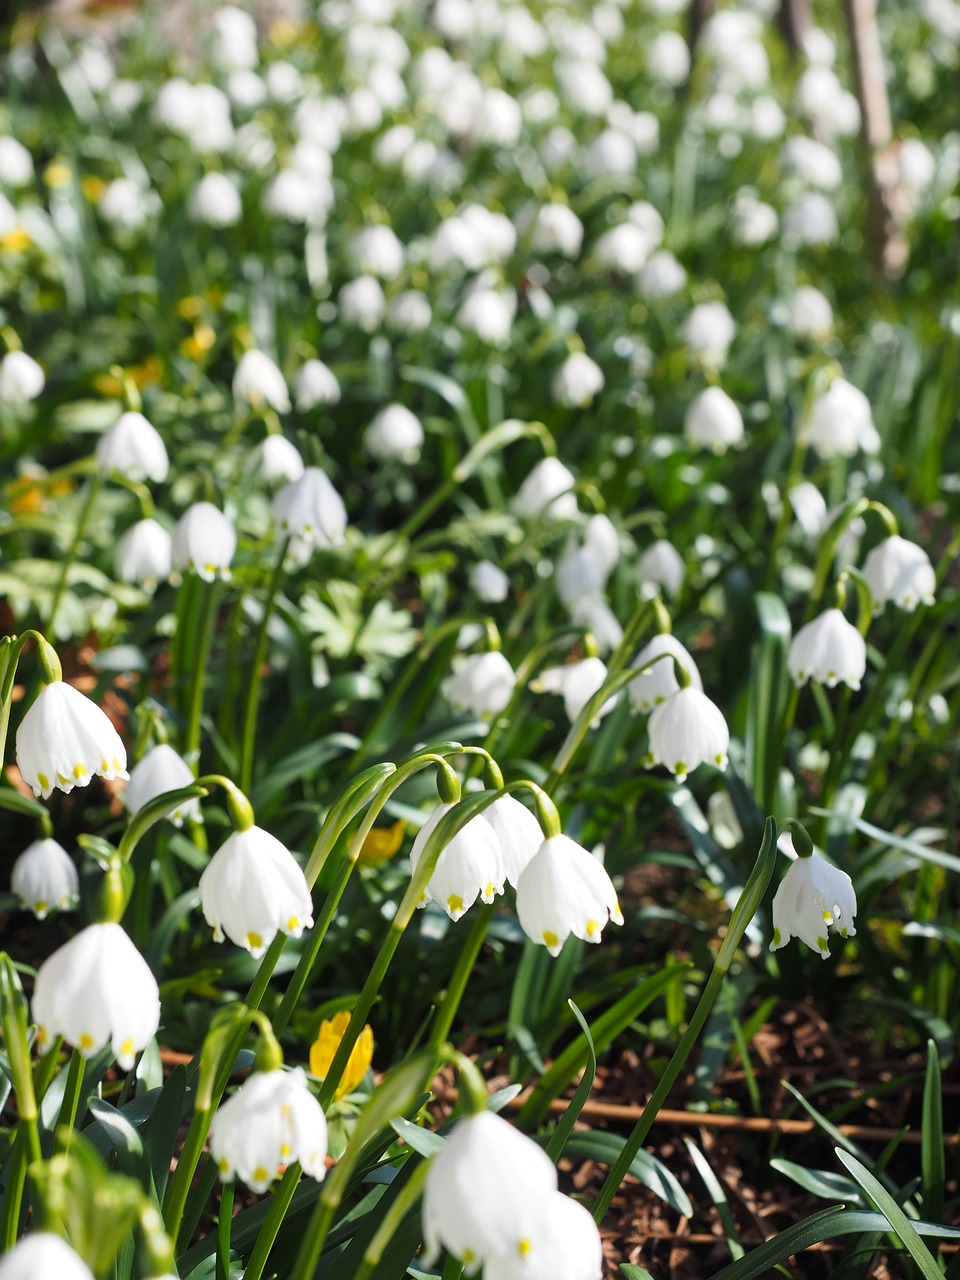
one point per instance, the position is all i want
(488, 313)
(134, 447)
(310, 508)
(127, 205)
(813, 162)
(233, 39)
(204, 541)
(482, 684)
(625, 248)
(316, 384)
(257, 381)
(21, 378)
(487, 1194)
(97, 989)
(809, 507)
(376, 251)
(752, 221)
(215, 201)
(811, 315)
(44, 876)
(708, 331)
(277, 458)
(812, 898)
(661, 565)
(489, 582)
(547, 490)
(570, 1248)
(362, 303)
(64, 740)
(16, 163)
(160, 770)
(688, 730)
(252, 889)
(899, 572)
(840, 422)
(557, 230)
(271, 1121)
(810, 220)
(395, 432)
(518, 832)
(409, 312)
(713, 421)
(576, 682)
(659, 681)
(578, 380)
(144, 554)
(469, 867)
(564, 889)
(663, 276)
(668, 58)
(829, 650)
(43, 1256)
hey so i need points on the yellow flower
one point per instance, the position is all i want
(93, 187)
(382, 843)
(323, 1050)
(15, 240)
(199, 343)
(57, 174)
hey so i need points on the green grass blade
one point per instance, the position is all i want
(932, 1162)
(718, 1198)
(885, 1203)
(569, 1118)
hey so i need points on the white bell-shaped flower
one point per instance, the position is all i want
(376, 251)
(409, 312)
(252, 889)
(489, 582)
(688, 730)
(362, 303)
(840, 422)
(547, 490)
(469, 867)
(216, 201)
(487, 1194)
(661, 565)
(315, 384)
(663, 276)
(133, 447)
(595, 614)
(488, 313)
(44, 877)
(43, 1256)
(713, 421)
(899, 572)
(481, 684)
(810, 315)
(21, 378)
(160, 770)
(277, 458)
(310, 508)
(570, 1248)
(812, 898)
(64, 740)
(97, 989)
(829, 650)
(601, 538)
(578, 381)
(144, 554)
(16, 162)
(395, 432)
(204, 541)
(659, 681)
(708, 331)
(809, 507)
(518, 832)
(272, 1120)
(258, 382)
(576, 683)
(564, 889)
(557, 230)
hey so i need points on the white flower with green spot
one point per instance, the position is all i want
(829, 650)
(65, 740)
(899, 572)
(687, 730)
(469, 867)
(564, 889)
(813, 898)
(44, 877)
(271, 1121)
(40, 1255)
(570, 1248)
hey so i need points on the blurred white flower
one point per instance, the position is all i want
(277, 458)
(810, 220)
(246, 89)
(916, 165)
(215, 200)
(470, 866)
(661, 566)
(557, 230)
(812, 898)
(43, 1256)
(271, 1121)
(409, 312)
(662, 276)
(547, 490)
(811, 315)
(812, 162)
(713, 421)
(576, 682)
(578, 381)
(97, 989)
(518, 832)
(44, 877)
(840, 421)
(611, 154)
(204, 541)
(376, 251)
(127, 205)
(569, 1248)
(489, 583)
(487, 1194)
(362, 304)
(160, 770)
(258, 382)
(828, 650)
(659, 681)
(899, 572)
(315, 384)
(284, 82)
(489, 314)
(16, 163)
(708, 331)
(65, 740)
(310, 508)
(688, 730)
(253, 888)
(299, 197)
(395, 432)
(144, 554)
(809, 507)
(564, 889)
(668, 58)
(822, 99)
(752, 221)
(583, 86)
(497, 121)
(482, 684)
(21, 378)
(233, 38)
(134, 448)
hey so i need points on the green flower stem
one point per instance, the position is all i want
(11, 650)
(392, 1219)
(457, 985)
(13, 1193)
(251, 707)
(578, 730)
(201, 642)
(224, 1225)
(743, 913)
(179, 1185)
(71, 1094)
(279, 1204)
(85, 512)
(794, 471)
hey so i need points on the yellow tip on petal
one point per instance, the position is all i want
(254, 941)
(550, 939)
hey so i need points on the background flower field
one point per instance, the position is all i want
(479, 493)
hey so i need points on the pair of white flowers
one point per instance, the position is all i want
(561, 888)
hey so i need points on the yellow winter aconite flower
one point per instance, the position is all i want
(200, 341)
(93, 187)
(382, 843)
(324, 1048)
(57, 174)
(15, 241)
